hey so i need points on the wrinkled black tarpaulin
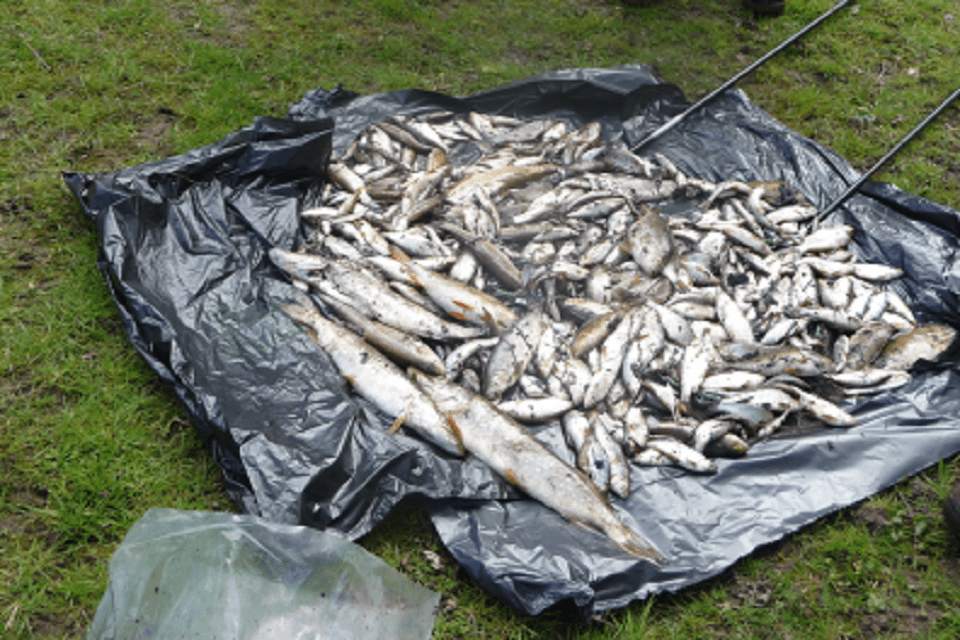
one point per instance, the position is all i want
(183, 245)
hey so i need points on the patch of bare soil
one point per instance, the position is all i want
(907, 621)
(517, 56)
(234, 23)
(154, 131)
(873, 518)
(51, 627)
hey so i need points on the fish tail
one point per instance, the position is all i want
(636, 545)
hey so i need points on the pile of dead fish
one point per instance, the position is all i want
(546, 275)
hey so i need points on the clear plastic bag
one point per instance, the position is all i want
(192, 574)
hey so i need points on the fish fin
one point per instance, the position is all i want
(399, 421)
(397, 254)
(457, 433)
(467, 307)
(636, 545)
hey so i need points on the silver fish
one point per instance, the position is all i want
(513, 353)
(651, 242)
(682, 455)
(611, 358)
(619, 469)
(535, 410)
(459, 300)
(395, 344)
(381, 303)
(523, 461)
(377, 379)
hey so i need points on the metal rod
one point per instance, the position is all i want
(866, 176)
(674, 121)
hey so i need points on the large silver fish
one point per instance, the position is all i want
(461, 301)
(381, 303)
(518, 457)
(377, 379)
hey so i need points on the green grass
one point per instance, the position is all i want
(90, 438)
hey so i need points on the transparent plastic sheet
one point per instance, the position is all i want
(195, 574)
(296, 447)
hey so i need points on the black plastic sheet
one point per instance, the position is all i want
(183, 245)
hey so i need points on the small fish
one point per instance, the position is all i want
(729, 445)
(611, 358)
(619, 469)
(826, 239)
(776, 360)
(675, 327)
(594, 333)
(512, 354)
(682, 455)
(733, 319)
(379, 302)
(697, 357)
(490, 256)
(732, 381)
(575, 375)
(708, 431)
(535, 410)
(651, 243)
(457, 357)
(824, 410)
(496, 179)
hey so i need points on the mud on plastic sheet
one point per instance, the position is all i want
(183, 247)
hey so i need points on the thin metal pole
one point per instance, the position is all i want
(907, 138)
(674, 121)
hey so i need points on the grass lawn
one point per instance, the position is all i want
(90, 437)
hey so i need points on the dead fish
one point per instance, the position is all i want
(611, 358)
(590, 456)
(496, 179)
(824, 410)
(381, 303)
(522, 460)
(457, 357)
(826, 239)
(535, 410)
(682, 455)
(866, 344)
(377, 379)
(928, 342)
(512, 354)
(575, 375)
(594, 333)
(651, 243)
(733, 319)
(461, 301)
(732, 381)
(697, 357)
(777, 360)
(490, 256)
(397, 345)
(619, 469)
